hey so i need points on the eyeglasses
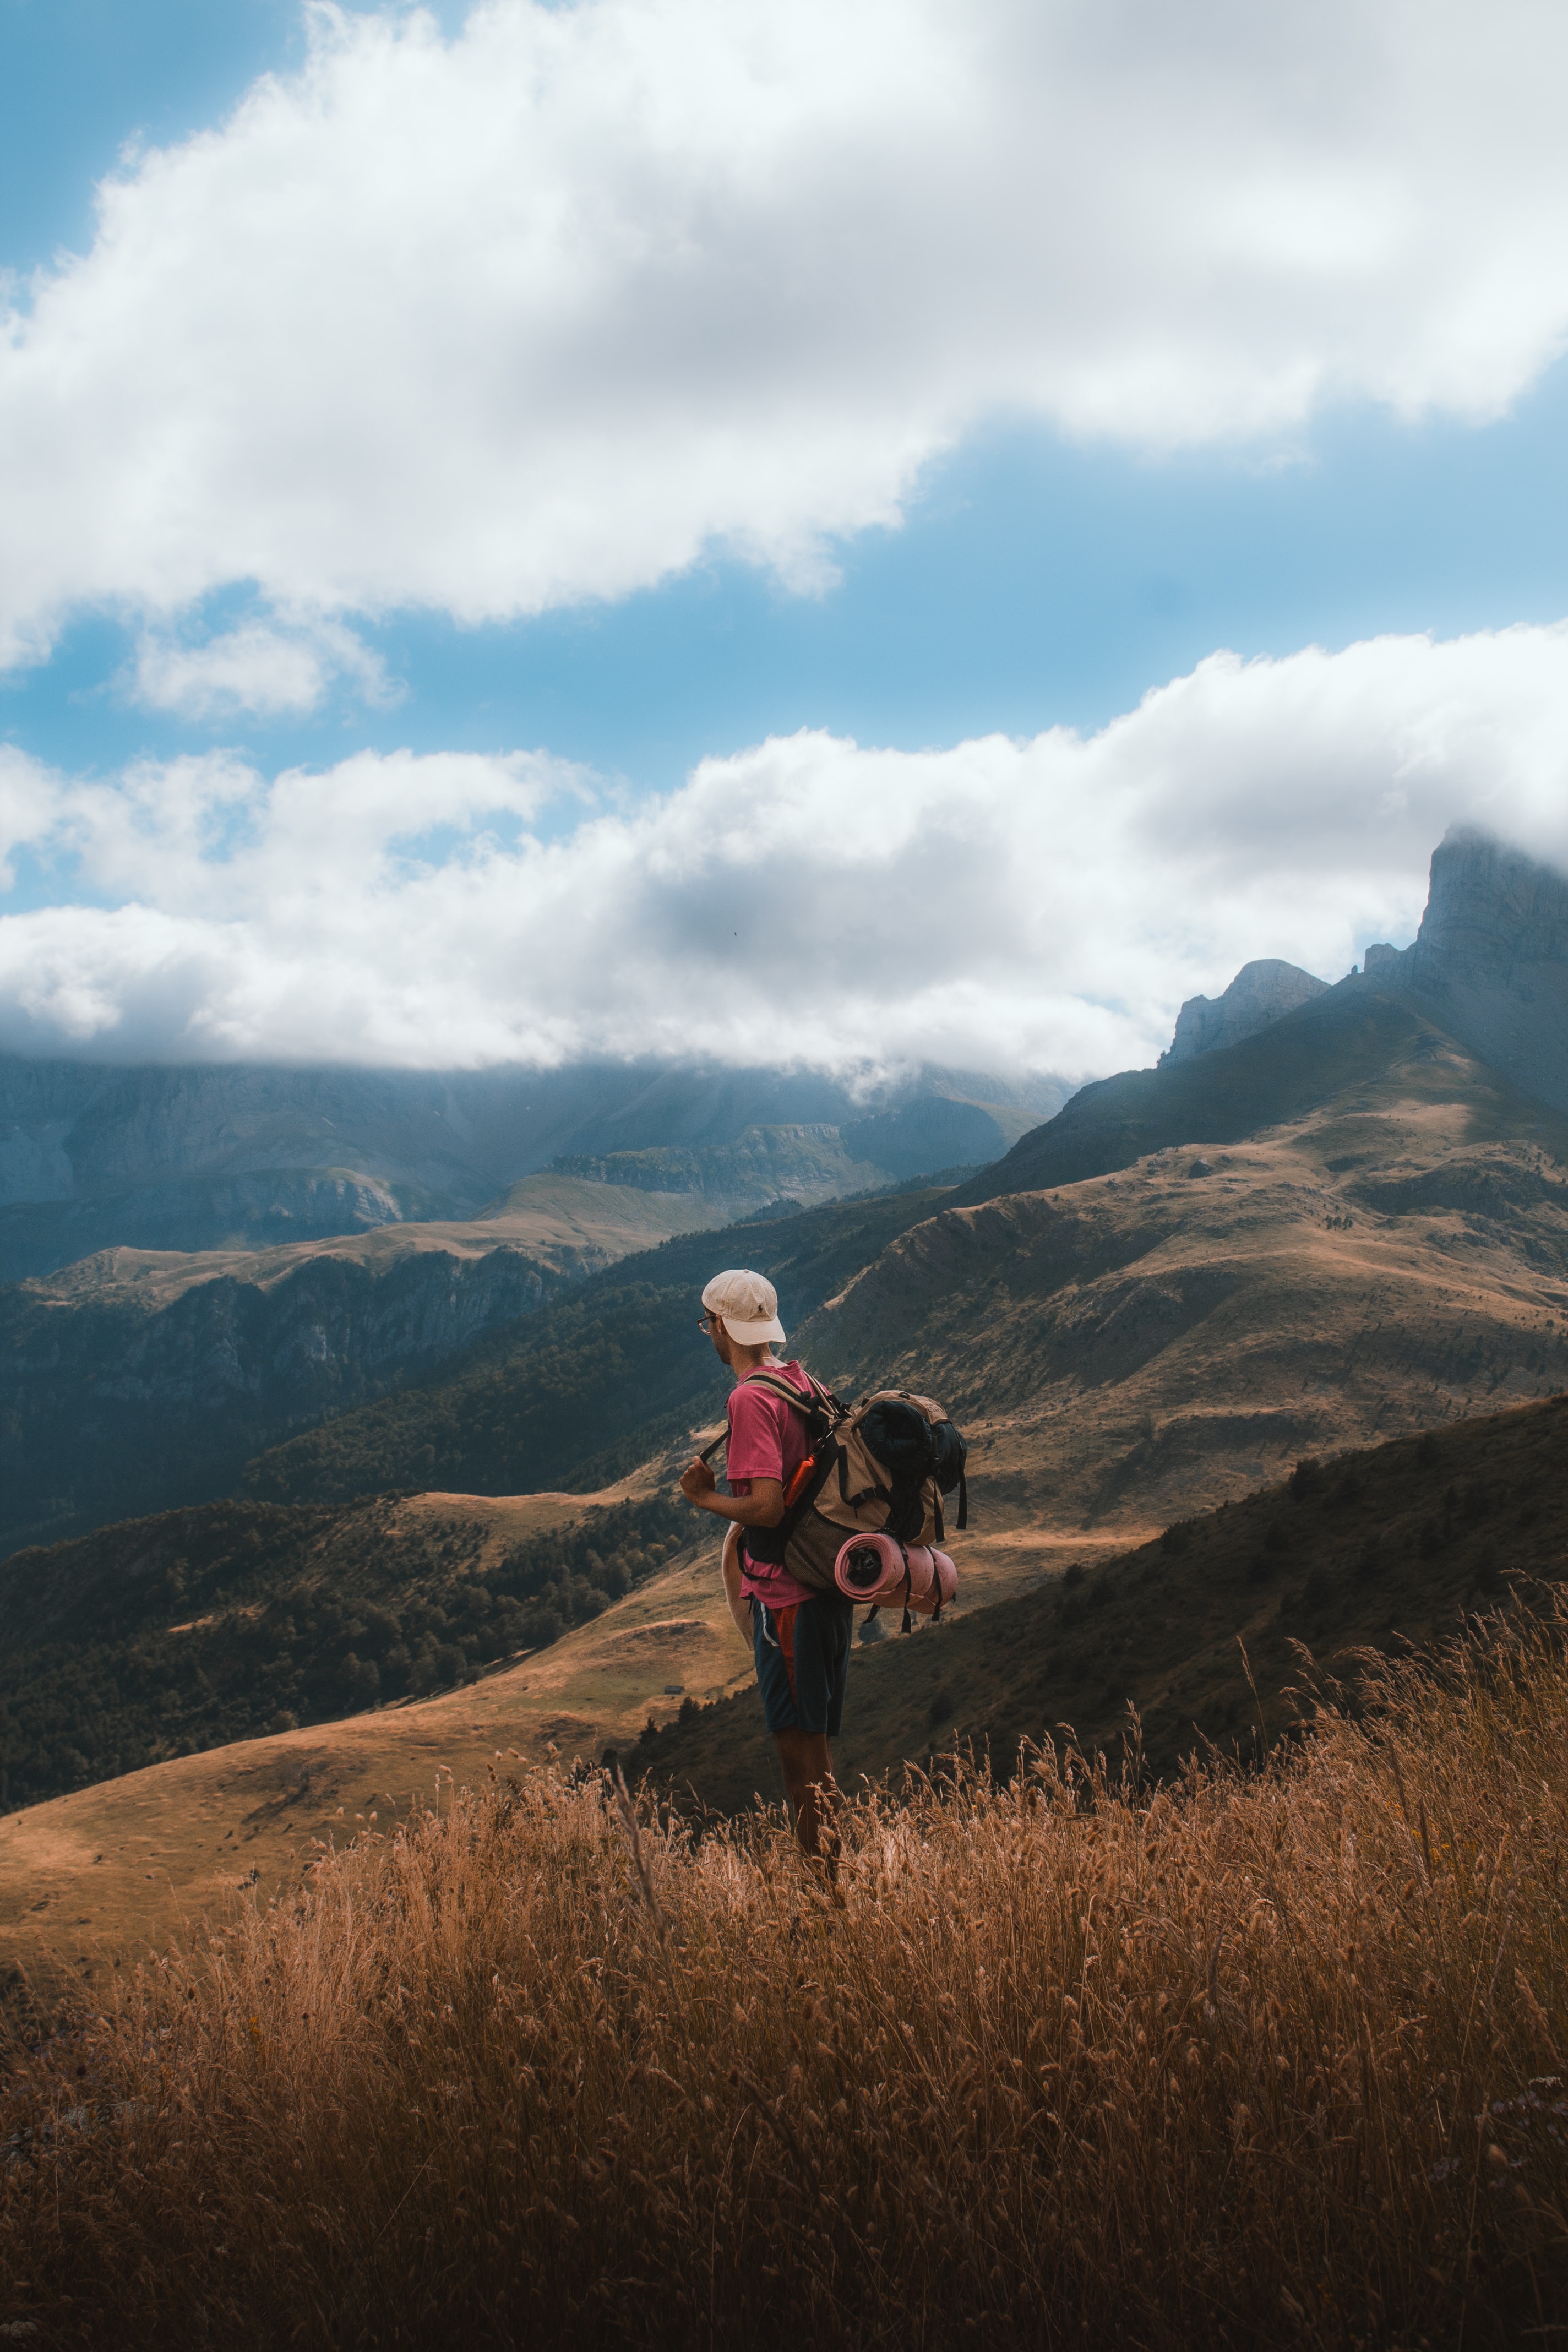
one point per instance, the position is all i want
(708, 1322)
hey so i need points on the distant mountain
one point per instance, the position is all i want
(1118, 1346)
(1341, 1226)
(1487, 971)
(194, 1157)
(1260, 994)
(136, 1382)
(1492, 961)
(1353, 1033)
(1143, 1343)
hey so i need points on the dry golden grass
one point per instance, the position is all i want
(100, 1874)
(1267, 2061)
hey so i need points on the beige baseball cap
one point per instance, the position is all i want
(747, 1305)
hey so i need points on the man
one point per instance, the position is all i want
(800, 1639)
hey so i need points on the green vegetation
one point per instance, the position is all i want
(590, 1385)
(1374, 1550)
(165, 1636)
(1273, 2059)
(119, 1399)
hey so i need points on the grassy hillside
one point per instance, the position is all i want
(593, 1384)
(1273, 2061)
(1137, 1344)
(1379, 1549)
(182, 1633)
(1147, 1343)
(1350, 1038)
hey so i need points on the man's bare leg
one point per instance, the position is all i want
(808, 1763)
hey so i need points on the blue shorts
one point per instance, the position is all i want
(803, 1662)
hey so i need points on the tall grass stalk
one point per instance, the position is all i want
(1263, 2059)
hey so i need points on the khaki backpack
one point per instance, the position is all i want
(881, 1468)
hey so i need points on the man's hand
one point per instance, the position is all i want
(696, 1480)
(730, 1569)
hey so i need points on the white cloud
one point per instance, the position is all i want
(1045, 903)
(540, 312)
(258, 666)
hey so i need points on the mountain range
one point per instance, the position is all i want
(1341, 1224)
(95, 1157)
(1336, 1217)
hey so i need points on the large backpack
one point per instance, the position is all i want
(881, 1467)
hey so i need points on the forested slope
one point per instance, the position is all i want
(168, 1635)
(595, 1382)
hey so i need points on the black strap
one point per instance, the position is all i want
(909, 1624)
(963, 1501)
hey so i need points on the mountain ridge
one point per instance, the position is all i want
(94, 1155)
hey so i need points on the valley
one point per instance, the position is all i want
(139, 1379)
(406, 1496)
(184, 1632)
(1377, 1551)
(95, 1156)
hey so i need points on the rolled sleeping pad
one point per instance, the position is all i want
(873, 1568)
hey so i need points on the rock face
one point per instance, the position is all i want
(1492, 914)
(1260, 994)
(111, 1400)
(763, 1164)
(1492, 956)
(809, 1163)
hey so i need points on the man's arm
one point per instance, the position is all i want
(739, 1608)
(763, 1507)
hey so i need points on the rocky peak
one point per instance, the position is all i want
(1258, 995)
(1491, 959)
(1491, 911)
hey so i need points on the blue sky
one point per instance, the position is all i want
(1037, 580)
(1040, 563)
(1036, 584)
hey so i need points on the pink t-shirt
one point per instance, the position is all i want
(767, 1439)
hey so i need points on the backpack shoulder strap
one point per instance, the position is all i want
(820, 1408)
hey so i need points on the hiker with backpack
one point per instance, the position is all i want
(800, 1637)
(826, 1507)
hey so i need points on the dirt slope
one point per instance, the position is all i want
(112, 1869)
(1380, 1548)
(1146, 1343)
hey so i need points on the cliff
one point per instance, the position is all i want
(116, 1397)
(1491, 957)
(1258, 995)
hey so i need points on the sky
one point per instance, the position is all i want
(769, 531)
